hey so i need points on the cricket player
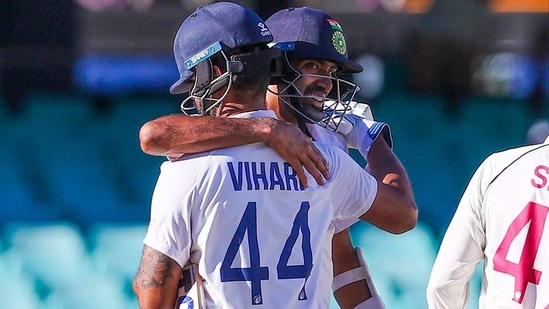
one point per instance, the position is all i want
(258, 236)
(312, 61)
(501, 220)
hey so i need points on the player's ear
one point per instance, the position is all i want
(217, 71)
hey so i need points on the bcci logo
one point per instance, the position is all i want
(338, 40)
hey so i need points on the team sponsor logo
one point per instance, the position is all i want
(202, 55)
(263, 30)
(338, 40)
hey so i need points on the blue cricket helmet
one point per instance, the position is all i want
(312, 34)
(221, 26)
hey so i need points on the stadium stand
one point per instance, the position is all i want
(441, 151)
(17, 290)
(55, 253)
(400, 264)
(115, 250)
(62, 160)
(75, 187)
(96, 291)
(23, 195)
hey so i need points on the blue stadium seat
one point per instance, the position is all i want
(23, 196)
(135, 171)
(54, 252)
(65, 147)
(92, 292)
(400, 264)
(493, 125)
(17, 290)
(77, 165)
(116, 249)
(424, 141)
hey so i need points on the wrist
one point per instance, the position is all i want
(265, 128)
(360, 138)
(374, 132)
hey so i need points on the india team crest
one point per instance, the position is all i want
(338, 40)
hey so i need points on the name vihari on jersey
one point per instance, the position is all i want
(263, 176)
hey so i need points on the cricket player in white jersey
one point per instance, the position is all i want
(222, 209)
(312, 62)
(502, 221)
(315, 55)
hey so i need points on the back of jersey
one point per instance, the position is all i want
(263, 239)
(516, 208)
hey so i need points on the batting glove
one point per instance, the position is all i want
(361, 130)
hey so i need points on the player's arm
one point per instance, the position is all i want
(460, 251)
(394, 208)
(344, 259)
(352, 287)
(454, 266)
(155, 283)
(175, 135)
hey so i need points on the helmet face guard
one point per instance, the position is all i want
(240, 69)
(307, 33)
(200, 96)
(206, 39)
(334, 105)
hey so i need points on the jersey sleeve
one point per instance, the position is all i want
(462, 247)
(354, 188)
(169, 228)
(340, 225)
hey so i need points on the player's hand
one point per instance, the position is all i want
(345, 125)
(361, 130)
(299, 150)
(365, 132)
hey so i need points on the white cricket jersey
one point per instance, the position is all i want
(326, 136)
(257, 235)
(501, 219)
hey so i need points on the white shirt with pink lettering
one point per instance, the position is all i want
(501, 220)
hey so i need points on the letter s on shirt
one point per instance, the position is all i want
(541, 174)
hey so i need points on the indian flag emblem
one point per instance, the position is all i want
(335, 25)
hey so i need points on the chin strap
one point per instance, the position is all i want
(357, 274)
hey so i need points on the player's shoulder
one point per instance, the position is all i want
(506, 157)
(320, 131)
(252, 151)
(336, 158)
(330, 149)
(188, 164)
(498, 162)
(322, 134)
